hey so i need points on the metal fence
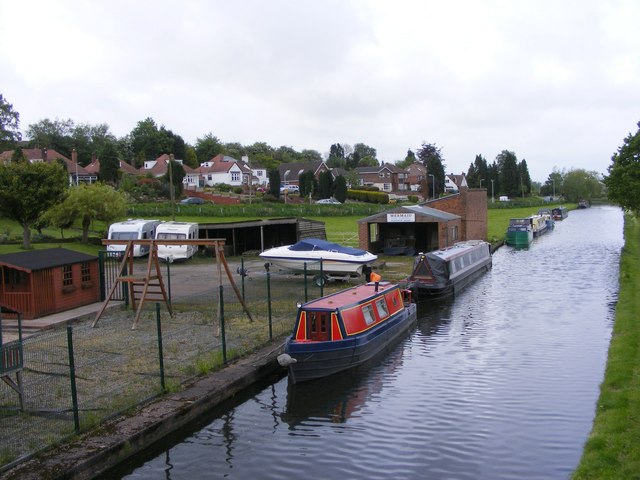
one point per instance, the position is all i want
(75, 377)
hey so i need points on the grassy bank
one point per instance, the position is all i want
(613, 448)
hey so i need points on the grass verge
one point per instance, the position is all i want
(612, 450)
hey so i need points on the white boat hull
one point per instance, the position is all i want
(331, 263)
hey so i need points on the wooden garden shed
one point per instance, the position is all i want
(42, 282)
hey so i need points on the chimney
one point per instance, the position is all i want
(74, 156)
(93, 158)
(44, 155)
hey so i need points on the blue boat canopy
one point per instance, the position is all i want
(315, 244)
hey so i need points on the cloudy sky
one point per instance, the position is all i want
(556, 82)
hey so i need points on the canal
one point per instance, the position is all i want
(499, 383)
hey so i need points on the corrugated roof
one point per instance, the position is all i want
(41, 259)
(417, 209)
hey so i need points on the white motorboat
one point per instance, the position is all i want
(336, 259)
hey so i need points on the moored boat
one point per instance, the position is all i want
(347, 329)
(538, 224)
(548, 218)
(316, 254)
(559, 213)
(519, 232)
(444, 272)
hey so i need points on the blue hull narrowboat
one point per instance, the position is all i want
(347, 329)
(446, 272)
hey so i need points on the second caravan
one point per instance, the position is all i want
(177, 231)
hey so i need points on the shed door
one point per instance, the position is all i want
(318, 326)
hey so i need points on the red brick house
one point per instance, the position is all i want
(42, 282)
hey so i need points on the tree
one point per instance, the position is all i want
(340, 189)
(208, 147)
(580, 184)
(336, 156)
(109, 164)
(64, 135)
(310, 156)
(508, 170)
(27, 190)
(431, 157)
(306, 182)
(88, 203)
(274, 182)
(9, 126)
(149, 142)
(623, 181)
(408, 160)
(367, 156)
(525, 178)
(478, 173)
(175, 173)
(325, 185)
(553, 185)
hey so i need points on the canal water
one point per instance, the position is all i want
(499, 383)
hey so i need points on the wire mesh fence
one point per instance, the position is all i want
(116, 368)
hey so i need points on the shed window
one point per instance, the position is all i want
(67, 275)
(85, 272)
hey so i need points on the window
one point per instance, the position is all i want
(67, 276)
(381, 305)
(368, 314)
(454, 233)
(235, 177)
(85, 272)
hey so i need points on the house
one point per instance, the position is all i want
(453, 183)
(416, 175)
(290, 172)
(221, 169)
(43, 282)
(76, 173)
(160, 166)
(386, 177)
(253, 173)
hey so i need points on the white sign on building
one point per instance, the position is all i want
(401, 217)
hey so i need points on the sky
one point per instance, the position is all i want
(556, 82)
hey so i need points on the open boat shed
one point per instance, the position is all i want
(252, 235)
(408, 230)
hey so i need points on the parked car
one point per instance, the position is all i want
(289, 188)
(328, 201)
(192, 201)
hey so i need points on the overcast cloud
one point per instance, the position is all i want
(556, 82)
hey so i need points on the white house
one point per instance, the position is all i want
(453, 183)
(221, 169)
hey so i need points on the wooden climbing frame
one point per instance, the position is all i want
(150, 285)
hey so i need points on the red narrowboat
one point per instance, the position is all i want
(346, 329)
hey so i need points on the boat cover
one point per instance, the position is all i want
(437, 267)
(316, 244)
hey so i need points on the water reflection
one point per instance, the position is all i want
(499, 382)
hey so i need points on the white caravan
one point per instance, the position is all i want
(177, 231)
(132, 229)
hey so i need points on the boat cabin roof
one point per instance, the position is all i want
(457, 249)
(350, 296)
